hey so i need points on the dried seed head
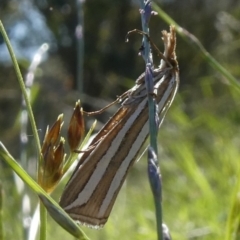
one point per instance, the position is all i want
(59, 154)
(52, 135)
(53, 157)
(52, 167)
(76, 128)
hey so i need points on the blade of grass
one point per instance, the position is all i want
(23, 89)
(233, 221)
(190, 38)
(188, 163)
(31, 118)
(65, 221)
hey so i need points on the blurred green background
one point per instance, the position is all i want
(87, 58)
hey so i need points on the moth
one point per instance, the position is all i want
(95, 183)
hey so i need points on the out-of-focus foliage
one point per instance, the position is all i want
(200, 137)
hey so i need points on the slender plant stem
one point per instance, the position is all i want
(59, 214)
(153, 128)
(151, 103)
(158, 213)
(23, 89)
(190, 38)
(43, 222)
(65, 220)
(233, 220)
(31, 118)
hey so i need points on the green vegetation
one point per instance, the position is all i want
(198, 142)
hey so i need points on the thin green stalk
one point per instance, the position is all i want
(43, 222)
(233, 221)
(156, 187)
(54, 209)
(30, 114)
(151, 104)
(23, 89)
(158, 213)
(153, 128)
(190, 38)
